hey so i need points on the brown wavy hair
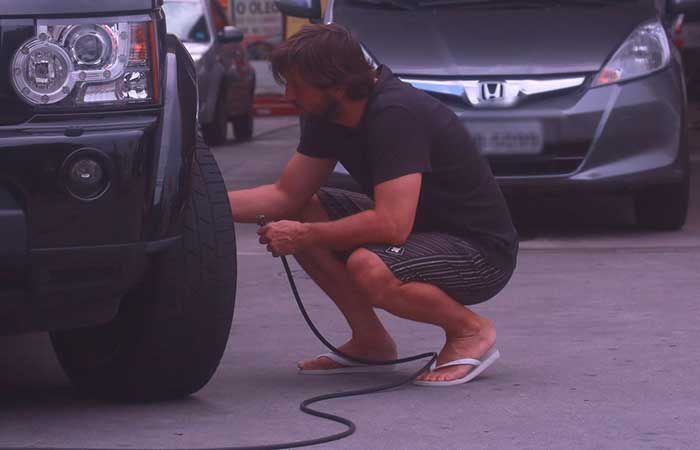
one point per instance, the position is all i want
(324, 56)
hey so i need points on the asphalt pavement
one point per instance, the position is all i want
(597, 329)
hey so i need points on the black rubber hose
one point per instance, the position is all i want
(305, 404)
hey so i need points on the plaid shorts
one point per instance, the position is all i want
(449, 262)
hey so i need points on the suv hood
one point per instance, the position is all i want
(74, 7)
(470, 41)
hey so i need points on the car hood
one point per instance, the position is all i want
(469, 41)
(81, 7)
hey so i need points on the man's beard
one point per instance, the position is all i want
(328, 110)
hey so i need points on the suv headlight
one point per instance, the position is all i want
(88, 62)
(645, 51)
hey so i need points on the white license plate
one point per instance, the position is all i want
(507, 138)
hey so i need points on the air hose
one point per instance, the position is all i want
(304, 406)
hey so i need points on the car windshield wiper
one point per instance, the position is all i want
(396, 4)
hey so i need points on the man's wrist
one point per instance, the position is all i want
(310, 234)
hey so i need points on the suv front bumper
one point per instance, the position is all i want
(69, 287)
(66, 262)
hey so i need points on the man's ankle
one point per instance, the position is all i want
(372, 338)
(472, 326)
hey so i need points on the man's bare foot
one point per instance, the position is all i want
(469, 344)
(382, 349)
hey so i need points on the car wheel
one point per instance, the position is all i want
(663, 207)
(216, 132)
(171, 331)
(243, 127)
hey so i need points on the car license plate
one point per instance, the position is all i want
(507, 138)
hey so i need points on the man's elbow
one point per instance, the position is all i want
(399, 235)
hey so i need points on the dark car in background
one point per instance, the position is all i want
(225, 77)
(114, 232)
(577, 94)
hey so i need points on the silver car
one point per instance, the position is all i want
(225, 77)
(556, 94)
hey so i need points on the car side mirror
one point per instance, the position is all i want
(230, 34)
(689, 8)
(309, 9)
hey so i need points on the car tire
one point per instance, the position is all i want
(171, 331)
(216, 132)
(663, 207)
(243, 127)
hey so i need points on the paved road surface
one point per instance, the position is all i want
(598, 330)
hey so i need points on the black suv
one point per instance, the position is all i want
(115, 228)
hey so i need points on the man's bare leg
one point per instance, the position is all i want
(467, 334)
(369, 337)
(366, 282)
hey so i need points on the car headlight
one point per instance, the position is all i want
(645, 51)
(88, 63)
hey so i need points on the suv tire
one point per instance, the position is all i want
(663, 207)
(171, 331)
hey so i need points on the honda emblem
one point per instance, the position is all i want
(491, 91)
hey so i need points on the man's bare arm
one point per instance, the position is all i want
(390, 222)
(300, 180)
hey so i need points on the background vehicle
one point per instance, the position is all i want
(225, 77)
(684, 28)
(115, 231)
(582, 94)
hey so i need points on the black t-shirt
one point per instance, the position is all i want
(403, 131)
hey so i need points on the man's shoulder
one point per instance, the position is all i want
(397, 96)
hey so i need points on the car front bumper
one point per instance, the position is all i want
(621, 136)
(70, 287)
(65, 261)
(57, 250)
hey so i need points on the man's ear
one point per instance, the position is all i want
(338, 92)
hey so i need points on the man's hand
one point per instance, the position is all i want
(285, 237)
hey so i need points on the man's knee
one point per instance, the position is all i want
(372, 276)
(313, 211)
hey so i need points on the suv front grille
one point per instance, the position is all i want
(12, 34)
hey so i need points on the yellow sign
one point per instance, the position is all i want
(293, 24)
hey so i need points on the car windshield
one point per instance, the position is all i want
(185, 19)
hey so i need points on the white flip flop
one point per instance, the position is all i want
(479, 366)
(348, 367)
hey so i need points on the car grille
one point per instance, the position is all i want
(556, 159)
(12, 34)
(510, 92)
